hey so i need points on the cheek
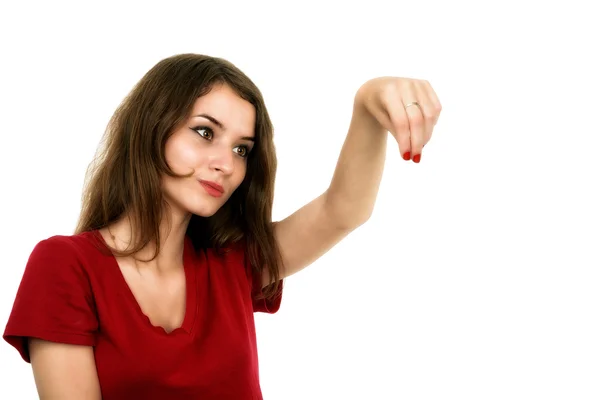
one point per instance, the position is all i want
(241, 174)
(181, 157)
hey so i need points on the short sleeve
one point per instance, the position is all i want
(54, 301)
(270, 306)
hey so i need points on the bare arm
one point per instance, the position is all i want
(64, 371)
(314, 229)
(381, 105)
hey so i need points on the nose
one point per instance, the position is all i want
(222, 159)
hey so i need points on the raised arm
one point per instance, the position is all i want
(406, 108)
(64, 371)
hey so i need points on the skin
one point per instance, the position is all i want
(69, 372)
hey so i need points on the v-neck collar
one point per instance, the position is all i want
(190, 289)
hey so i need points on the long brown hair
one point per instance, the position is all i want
(125, 175)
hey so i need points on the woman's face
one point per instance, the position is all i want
(214, 142)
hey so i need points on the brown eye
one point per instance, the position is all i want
(204, 131)
(242, 151)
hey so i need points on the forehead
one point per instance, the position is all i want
(226, 106)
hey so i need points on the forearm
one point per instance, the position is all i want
(351, 195)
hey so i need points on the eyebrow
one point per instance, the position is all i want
(220, 125)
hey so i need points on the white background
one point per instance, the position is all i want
(477, 277)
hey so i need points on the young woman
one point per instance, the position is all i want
(153, 295)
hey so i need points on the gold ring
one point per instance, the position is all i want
(414, 103)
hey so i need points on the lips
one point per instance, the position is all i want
(213, 185)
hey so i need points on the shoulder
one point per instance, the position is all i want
(62, 254)
(230, 251)
(55, 300)
(52, 248)
(233, 254)
(56, 243)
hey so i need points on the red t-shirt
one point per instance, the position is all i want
(73, 293)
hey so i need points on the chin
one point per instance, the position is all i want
(204, 213)
(206, 210)
(201, 207)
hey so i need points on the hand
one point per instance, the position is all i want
(386, 99)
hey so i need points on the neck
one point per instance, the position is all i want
(122, 235)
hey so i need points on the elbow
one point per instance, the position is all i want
(349, 219)
(359, 219)
(347, 214)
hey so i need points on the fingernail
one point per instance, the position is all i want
(406, 156)
(417, 158)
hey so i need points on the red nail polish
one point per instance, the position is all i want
(417, 158)
(406, 155)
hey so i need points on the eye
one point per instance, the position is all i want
(204, 131)
(242, 151)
